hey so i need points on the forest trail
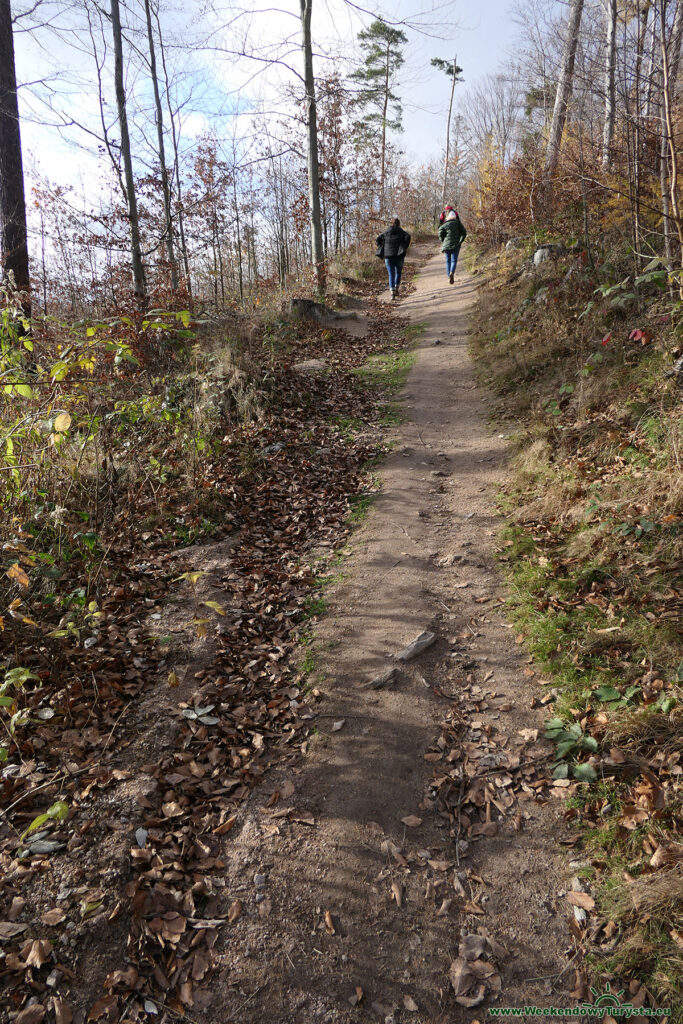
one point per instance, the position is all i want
(350, 913)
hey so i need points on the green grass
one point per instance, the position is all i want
(388, 370)
(414, 331)
(360, 507)
(347, 426)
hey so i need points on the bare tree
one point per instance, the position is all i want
(165, 184)
(610, 81)
(667, 97)
(14, 246)
(139, 283)
(317, 254)
(176, 158)
(564, 88)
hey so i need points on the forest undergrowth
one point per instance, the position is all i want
(123, 444)
(581, 361)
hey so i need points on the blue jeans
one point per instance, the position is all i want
(394, 270)
(451, 260)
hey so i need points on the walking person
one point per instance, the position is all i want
(393, 246)
(452, 234)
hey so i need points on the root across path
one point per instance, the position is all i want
(409, 867)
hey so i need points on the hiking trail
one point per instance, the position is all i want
(390, 870)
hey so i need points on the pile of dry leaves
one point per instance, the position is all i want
(116, 799)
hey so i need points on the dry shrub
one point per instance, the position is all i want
(657, 897)
(646, 728)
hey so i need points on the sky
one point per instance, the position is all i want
(479, 34)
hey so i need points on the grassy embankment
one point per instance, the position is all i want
(579, 359)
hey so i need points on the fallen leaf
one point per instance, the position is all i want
(581, 899)
(666, 853)
(105, 1007)
(472, 908)
(496, 948)
(303, 817)
(15, 572)
(471, 947)
(10, 929)
(53, 917)
(39, 952)
(336, 726)
(16, 907)
(221, 830)
(486, 828)
(460, 975)
(329, 923)
(200, 965)
(235, 911)
(126, 978)
(458, 886)
(411, 821)
(89, 907)
(410, 1004)
(31, 1014)
(482, 968)
(473, 1000)
(62, 1010)
(397, 893)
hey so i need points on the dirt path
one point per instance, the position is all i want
(360, 915)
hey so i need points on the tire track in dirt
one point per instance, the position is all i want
(344, 919)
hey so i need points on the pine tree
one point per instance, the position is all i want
(451, 69)
(382, 47)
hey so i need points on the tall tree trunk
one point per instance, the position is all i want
(382, 175)
(317, 256)
(13, 241)
(667, 95)
(610, 83)
(239, 238)
(564, 88)
(448, 135)
(42, 260)
(165, 185)
(674, 54)
(674, 48)
(176, 161)
(139, 285)
(643, 14)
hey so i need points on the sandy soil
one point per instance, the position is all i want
(345, 918)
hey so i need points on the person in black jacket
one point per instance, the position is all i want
(394, 244)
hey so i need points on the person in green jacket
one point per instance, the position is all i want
(452, 234)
